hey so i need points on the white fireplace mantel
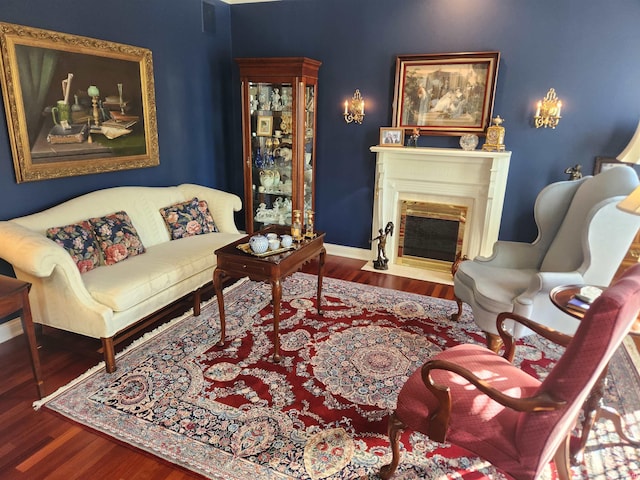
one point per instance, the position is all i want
(475, 179)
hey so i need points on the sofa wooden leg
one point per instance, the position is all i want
(197, 298)
(109, 354)
(494, 342)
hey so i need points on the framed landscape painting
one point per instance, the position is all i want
(445, 94)
(76, 105)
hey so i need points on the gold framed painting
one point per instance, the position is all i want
(76, 105)
(446, 93)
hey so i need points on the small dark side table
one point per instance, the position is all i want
(594, 407)
(14, 298)
(234, 263)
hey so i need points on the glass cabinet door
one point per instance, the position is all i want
(271, 107)
(279, 108)
(309, 143)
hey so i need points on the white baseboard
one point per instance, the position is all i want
(10, 329)
(349, 252)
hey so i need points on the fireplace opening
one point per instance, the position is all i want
(430, 234)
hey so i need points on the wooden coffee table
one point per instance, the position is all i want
(235, 263)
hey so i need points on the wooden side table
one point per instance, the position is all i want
(14, 298)
(594, 407)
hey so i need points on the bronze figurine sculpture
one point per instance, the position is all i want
(382, 262)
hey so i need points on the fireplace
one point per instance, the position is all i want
(465, 188)
(430, 235)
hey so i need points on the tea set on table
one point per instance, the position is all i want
(261, 243)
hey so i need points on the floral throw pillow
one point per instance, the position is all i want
(186, 219)
(78, 239)
(209, 224)
(117, 237)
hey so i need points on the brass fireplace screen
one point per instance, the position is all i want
(430, 234)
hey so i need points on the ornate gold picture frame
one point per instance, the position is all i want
(446, 93)
(76, 105)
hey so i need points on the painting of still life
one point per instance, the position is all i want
(76, 105)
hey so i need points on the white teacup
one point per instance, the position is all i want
(286, 240)
(272, 236)
(274, 244)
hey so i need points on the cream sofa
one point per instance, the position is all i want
(107, 300)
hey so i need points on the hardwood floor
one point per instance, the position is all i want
(41, 445)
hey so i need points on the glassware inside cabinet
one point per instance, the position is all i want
(270, 109)
(278, 137)
(309, 146)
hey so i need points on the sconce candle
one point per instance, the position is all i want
(354, 110)
(548, 111)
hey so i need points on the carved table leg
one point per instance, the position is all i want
(609, 413)
(321, 259)
(218, 277)
(594, 409)
(276, 289)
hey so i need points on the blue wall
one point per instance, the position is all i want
(192, 83)
(586, 52)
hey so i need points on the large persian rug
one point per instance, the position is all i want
(231, 413)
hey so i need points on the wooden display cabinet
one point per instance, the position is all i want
(279, 99)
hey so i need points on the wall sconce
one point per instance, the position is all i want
(354, 110)
(548, 111)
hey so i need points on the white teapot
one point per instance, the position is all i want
(259, 243)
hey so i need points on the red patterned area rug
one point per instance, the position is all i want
(231, 413)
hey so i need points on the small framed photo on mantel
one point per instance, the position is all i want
(391, 137)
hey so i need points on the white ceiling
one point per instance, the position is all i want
(233, 2)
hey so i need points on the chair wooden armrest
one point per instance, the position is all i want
(439, 421)
(555, 336)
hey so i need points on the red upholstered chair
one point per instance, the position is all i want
(472, 397)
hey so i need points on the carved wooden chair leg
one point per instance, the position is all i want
(456, 316)
(494, 342)
(561, 459)
(394, 429)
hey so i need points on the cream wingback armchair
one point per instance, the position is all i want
(582, 238)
